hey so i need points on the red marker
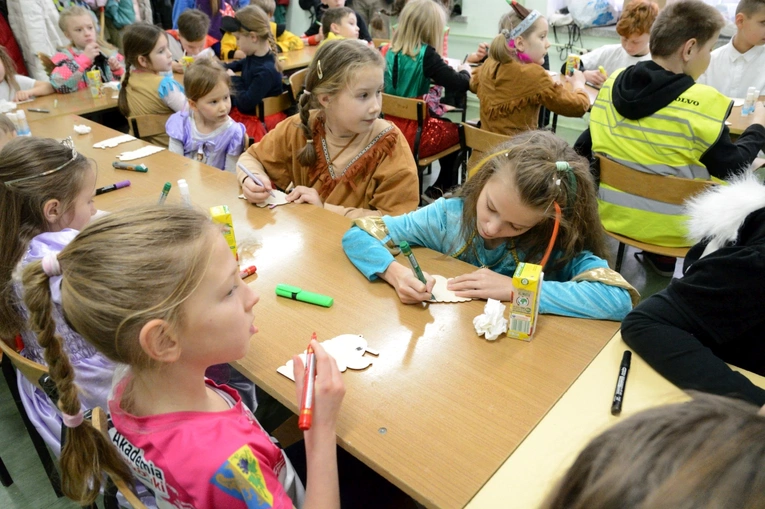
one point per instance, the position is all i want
(306, 402)
(247, 272)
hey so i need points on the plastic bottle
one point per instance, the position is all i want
(22, 126)
(183, 188)
(748, 107)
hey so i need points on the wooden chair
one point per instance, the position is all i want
(476, 143)
(414, 109)
(38, 375)
(143, 126)
(46, 62)
(379, 42)
(271, 105)
(297, 83)
(99, 421)
(670, 190)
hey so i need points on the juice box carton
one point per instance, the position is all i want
(221, 215)
(572, 63)
(186, 61)
(527, 286)
(94, 82)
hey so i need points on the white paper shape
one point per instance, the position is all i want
(441, 294)
(279, 198)
(6, 106)
(141, 152)
(113, 142)
(347, 349)
(737, 101)
(82, 128)
(492, 322)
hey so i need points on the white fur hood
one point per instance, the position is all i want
(716, 215)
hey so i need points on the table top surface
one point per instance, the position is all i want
(440, 409)
(297, 59)
(535, 467)
(76, 103)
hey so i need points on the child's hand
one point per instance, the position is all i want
(759, 113)
(480, 54)
(410, 290)
(595, 77)
(114, 64)
(22, 95)
(577, 79)
(465, 67)
(256, 193)
(328, 388)
(230, 72)
(177, 67)
(482, 284)
(92, 50)
(303, 194)
(239, 54)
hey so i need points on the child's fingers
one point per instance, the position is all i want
(298, 371)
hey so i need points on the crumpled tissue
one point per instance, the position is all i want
(81, 128)
(492, 322)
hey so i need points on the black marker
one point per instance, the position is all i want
(621, 382)
(38, 110)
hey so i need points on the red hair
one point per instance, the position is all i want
(637, 18)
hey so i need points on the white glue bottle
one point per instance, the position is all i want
(748, 107)
(22, 126)
(183, 188)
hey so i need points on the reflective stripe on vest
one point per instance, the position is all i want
(669, 142)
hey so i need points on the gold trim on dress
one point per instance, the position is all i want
(376, 227)
(609, 277)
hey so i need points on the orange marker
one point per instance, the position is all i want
(247, 272)
(306, 403)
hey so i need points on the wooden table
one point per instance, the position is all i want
(583, 412)
(297, 59)
(76, 103)
(440, 410)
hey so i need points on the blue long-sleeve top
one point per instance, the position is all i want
(438, 227)
(260, 79)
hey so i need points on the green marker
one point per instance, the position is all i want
(296, 293)
(404, 245)
(165, 190)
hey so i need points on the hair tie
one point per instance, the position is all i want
(505, 32)
(50, 265)
(565, 168)
(318, 69)
(307, 92)
(309, 141)
(72, 421)
(525, 24)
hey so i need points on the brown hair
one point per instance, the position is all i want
(193, 25)
(74, 11)
(22, 204)
(707, 453)
(421, 22)
(335, 15)
(166, 251)
(637, 18)
(530, 160)
(682, 21)
(6, 125)
(268, 6)
(332, 69)
(138, 40)
(256, 21)
(202, 76)
(10, 69)
(750, 7)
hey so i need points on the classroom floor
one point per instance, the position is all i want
(31, 489)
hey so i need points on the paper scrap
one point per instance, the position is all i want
(113, 142)
(492, 322)
(441, 294)
(737, 101)
(141, 152)
(347, 349)
(279, 198)
(6, 106)
(81, 128)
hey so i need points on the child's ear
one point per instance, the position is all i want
(687, 50)
(739, 20)
(334, 28)
(520, 44)
(143, 61)
(52, 211)
(192, 105)
(324, 100)
(158, 341)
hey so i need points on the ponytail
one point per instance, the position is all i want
(86, 454)
(274, 50)
(307, 156)
(499, 50)
(122, 102)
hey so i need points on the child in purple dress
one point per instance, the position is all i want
(203, 130)
(46, 198)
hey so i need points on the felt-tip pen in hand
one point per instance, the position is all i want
(119, 165)
(253, 177)
(404, 245)
(306, 402)
(113, 187)
(165, 191)
(621, 382)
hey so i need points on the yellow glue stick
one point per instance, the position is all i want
(602, 71)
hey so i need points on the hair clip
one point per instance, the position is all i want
(565, 168)
(318, 69)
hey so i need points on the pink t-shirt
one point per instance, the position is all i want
(203, 459)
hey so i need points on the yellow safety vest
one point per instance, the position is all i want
(671, 141)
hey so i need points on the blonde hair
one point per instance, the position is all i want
(529, 160)
(421, 22)
(6, 125)
(332, 69)
(23, 202)
(74, 11)
(165, 250)
(256, 21)
(499, 49)
(268, 6)
(202, 77)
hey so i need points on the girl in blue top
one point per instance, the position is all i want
(504, 215)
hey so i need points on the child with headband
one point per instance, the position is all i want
(504, 215)
(512, 85)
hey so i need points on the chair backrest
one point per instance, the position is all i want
(403, 107)
(276, 104)
(98, 421)
(664, 189)
(479, 141)
(32, 371)
(46, 62)
(297, 83)
(379, 42)
(143, 126)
